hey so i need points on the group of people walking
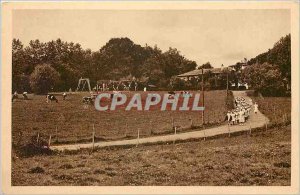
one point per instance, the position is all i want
(240, 113)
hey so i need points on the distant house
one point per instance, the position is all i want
(198, 72)
(240, 85)
(239, 66)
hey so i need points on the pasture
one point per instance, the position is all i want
(71, 121)
(277, 109)
(264, 158)
(261, 158)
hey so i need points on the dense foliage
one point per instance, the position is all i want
(270, 72)
(43, 78)
(265, 78)
(122, 59)
(119, 58)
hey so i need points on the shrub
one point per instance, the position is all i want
(265, 78)
(43, 78)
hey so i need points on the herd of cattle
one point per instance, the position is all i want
(86, 99)
(52, 98)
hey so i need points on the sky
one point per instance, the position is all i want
(215, 36)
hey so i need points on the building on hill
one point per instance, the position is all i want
(239, 66)
(198, 72)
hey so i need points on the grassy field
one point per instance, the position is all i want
(262, 158)
(277, 109)
(74, 121)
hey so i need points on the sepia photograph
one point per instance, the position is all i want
(182, 95)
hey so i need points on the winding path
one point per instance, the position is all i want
(254, 121)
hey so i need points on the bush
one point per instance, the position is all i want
(265, 78)
(43, 78)
(31, 148)
(177, 83)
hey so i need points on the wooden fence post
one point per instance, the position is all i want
(56, 134)
(49, 142)
(208, 119)
(151, 127)
(214, 117)
(175, 132)
(93, 137)
(138, 137)
(172, 121)
(204, 135)
(37, 138)
(126, 128)
(285, 118)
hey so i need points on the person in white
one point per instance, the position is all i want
(241, 117)
(237, 117)
(232, 118)
(255, 108)
(228, 117)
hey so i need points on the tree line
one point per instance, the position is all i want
(270, 72)
(57, 66)
(63, 63)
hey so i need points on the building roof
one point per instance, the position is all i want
(239, 64)
(198, 72)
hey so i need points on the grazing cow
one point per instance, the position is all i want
(64, 96)
(15, 96)
(186, 94)
(114, 92)
(171, 94)
(87, 100)
(25, 95)
(51, 98)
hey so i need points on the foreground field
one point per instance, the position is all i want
(264, 158)
(71, 121)
(277, 109)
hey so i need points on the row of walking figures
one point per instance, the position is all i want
(241, 112)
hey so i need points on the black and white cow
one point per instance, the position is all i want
(51, 98)
(113, 93)
(171, 94)
(25, 97)
(88, 100)
(64, 95)
(15, 96)
(186, 94)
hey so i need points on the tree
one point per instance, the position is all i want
(207, 65)
(280, 55)
(118, 58)
(18, 61)
(43, 78)
(177, 83)
(264, 78)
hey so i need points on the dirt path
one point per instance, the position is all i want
(254, 121)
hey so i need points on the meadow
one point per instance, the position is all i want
(277, 109)
(71, 121)
(261, 158)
